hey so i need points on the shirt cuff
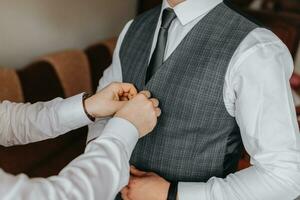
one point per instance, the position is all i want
(191, 191)
(123, 131)
(71, 113)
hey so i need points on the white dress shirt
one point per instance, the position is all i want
(97, 174)
(257, 93)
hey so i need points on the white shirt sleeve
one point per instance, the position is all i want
(26, 123)
(112, 74)
(100, 173)
(264, 110)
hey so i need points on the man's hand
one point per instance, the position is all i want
(110, 99)
(145, 186)
(142, 112)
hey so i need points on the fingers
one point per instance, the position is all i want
(157, 112)
(135, 172)
(130, 96)
(127, 96)
(146, 93)
(124, 193)
(127, 88)
(124, 98)
(155, 102)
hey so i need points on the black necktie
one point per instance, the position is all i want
(158, 55)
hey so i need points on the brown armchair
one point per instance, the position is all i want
(100, 57)
(72, 69)
(10, 87)
(44, 80)
(292, 6)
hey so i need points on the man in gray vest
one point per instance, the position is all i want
(222, 81)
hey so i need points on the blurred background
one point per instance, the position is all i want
(33, 28)
(59, 48)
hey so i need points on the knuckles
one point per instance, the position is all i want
(149, 105)
(141, 97)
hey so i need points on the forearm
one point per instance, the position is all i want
(25, 123)
(98, 174)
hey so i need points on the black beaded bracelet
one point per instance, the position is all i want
(84, 97)
(172, 194)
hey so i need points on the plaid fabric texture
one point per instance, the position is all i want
(195, 138)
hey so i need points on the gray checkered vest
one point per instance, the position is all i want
(195, 138)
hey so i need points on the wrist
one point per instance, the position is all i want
(124, 131)
(173, 190)
(86, 101)
(167, 188)
(122, 116)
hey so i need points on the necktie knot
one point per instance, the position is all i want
(167, 17)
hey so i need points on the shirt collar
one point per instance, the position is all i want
(189, 10)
